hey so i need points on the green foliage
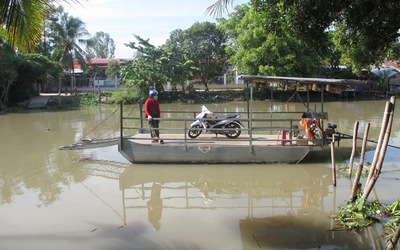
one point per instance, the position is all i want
(204, 45)
(63, 103)
(360, 214)
(95, 70)
(364, 31)
(43, 66)
(113, 69)
(264, 44)
(101, 45)
(364, 213)
(149, 70)
(66, 35)
(182, 67)
(8, 72)
(30, 69)
(89, 99)
(114, 97)
(392, 224)
(21, 22)
(383, 81)
(125, 96)
(19, 73)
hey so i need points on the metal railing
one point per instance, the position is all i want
(260, 128)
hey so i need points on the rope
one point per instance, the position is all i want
(108, 117)
(98, 125)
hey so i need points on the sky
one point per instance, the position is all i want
(149, 19)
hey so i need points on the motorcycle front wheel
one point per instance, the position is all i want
(234, 130)
(194, 131)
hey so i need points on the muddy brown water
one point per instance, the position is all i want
(95, 199)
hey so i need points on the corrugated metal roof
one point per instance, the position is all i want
(282, 79)
(386, 72)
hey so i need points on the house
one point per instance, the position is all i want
(102, 63)
(390, 70)
(77, 80)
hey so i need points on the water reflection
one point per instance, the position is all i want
(276, 207)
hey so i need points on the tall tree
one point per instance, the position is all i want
(219, 7)
(68, 33)
(30, 68)
(261, 45)
(18, 73)
(8, 72)
(101, 45)
(365, 31)
(204, 44)
(113, 69)
(150, 68)
(21, 21)
(181, 66)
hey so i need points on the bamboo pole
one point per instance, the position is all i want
(364, 143)
(333, 211)
(333, 161)
(379, 144)
(384, 139)
(356, 183)
(353, 152)
(392, 243)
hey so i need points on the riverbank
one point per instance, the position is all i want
(213, 95)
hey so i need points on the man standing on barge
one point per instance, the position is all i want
(152, 109)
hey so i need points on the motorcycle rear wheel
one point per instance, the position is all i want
(234, 130)
(194, 131)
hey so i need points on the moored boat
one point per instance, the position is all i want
(266, 138)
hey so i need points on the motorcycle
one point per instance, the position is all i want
(227, 125)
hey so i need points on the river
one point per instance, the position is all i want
(95, 199)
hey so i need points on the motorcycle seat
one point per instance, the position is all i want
(222, 117)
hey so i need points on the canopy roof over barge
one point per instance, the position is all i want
(301, 80)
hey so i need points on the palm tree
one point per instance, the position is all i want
(67, 34)
(21, 21)
(219, 7)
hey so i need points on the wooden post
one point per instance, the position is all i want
(379, 143)
(333, 212)
(394, 240)
(364, 144)
(354, 150)
(121, 128)
(356, 183)
(99, 93)
(333, 161)
(383, 141)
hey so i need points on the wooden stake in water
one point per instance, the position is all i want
(333, 161)
(364, 144)
(381, 150)
(353, 152)
(356, 183)
(394, 240)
